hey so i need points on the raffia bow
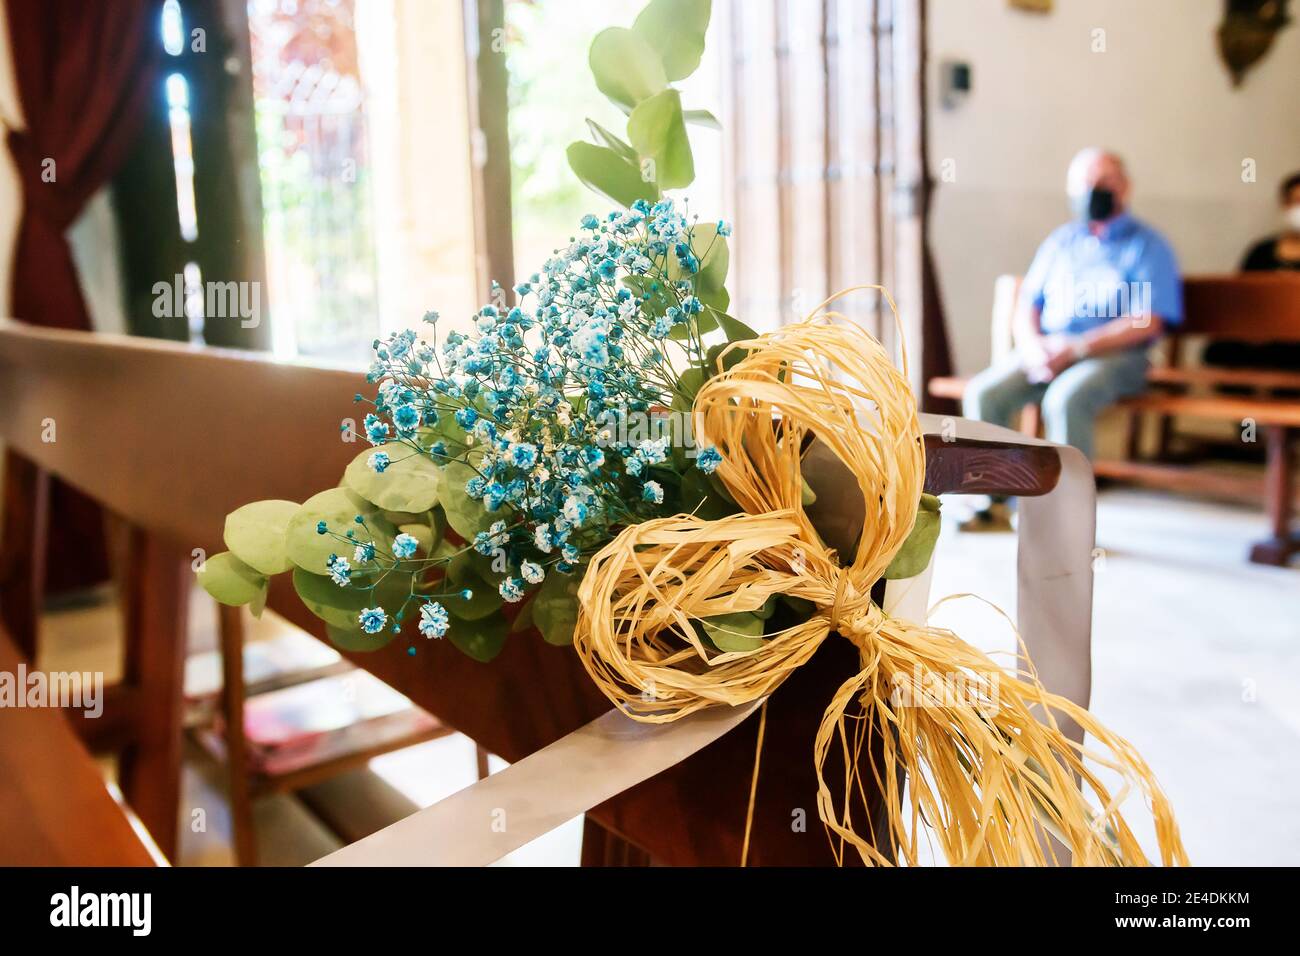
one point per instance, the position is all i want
(990, 776)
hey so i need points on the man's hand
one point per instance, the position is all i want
(1049, 356)
(1063, 353)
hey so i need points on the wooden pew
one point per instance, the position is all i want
(54, 807)
(171, 438)
(1255, 307)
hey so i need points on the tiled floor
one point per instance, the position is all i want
(1196, 660)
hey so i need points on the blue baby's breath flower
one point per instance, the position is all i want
(708, 460)
(378, 462)
(523, 455)
(724, 227)
(321, 527)
(364, 553)
(653, 492)
(433, 620)
(574, 511)
(372, 619)
(511, 590)
(340, 572)
(404, 545)
(542, 538)
(532, 572)
(406, 418)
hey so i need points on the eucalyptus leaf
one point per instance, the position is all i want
(421, 533)
(356, 640)
(626, 67)
(341, 606)
(730, 357)
(715, 259)
(555, 608)
(699, 498)
(734, 329)
(255, 534)
(658, 133)
(231, 581)
(466, 516)
(741, 631)
(409, 483)
(675, 29)
(484, 599)
(481, 639)
(695, 325)
(616, 144)
(337, 507)
(608, 173)
(688, 384)
(806, 495)
(524, 619)
(914, 556)
(702, 118)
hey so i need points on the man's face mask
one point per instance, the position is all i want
(1095, 205)
(1292, 215)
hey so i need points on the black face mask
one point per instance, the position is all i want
(1096, 205)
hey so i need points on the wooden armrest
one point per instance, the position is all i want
(947, 386)
(1223, 407)
(54, 807)
(1210, 375)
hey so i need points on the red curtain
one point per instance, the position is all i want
(86, 76)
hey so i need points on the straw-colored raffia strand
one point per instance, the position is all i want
(991, 773)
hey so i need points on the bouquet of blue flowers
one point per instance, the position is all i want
(503, 457)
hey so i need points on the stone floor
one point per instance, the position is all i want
(1196, 660)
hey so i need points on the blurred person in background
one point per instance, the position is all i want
(1280, 253)
(1099, 291)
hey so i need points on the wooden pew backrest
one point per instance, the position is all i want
(173, 437)
(1253, 307)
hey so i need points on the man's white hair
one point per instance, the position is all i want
(1075, 176)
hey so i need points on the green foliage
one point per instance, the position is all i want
(741, 631)
(610, 174)
(555, 608)
(482, 639)
(255, 534)
(627, 68)
(337, 507)
(658, 133)
(339, 606)
(675, 30)
(914, 556)
(409, 483)
(231, 581)
(633, 68)
(354, 639)
(466, 516)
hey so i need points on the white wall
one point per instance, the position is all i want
(1159, 95)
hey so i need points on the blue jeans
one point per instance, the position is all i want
(1071, 401)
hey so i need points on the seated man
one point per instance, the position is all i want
(1099, 291)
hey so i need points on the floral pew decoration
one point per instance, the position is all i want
(507, 471)
(616, 463)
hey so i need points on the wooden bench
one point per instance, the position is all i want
(1251, 308)
(55, 809)
(170, 438)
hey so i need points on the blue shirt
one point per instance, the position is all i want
(1080, 281)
